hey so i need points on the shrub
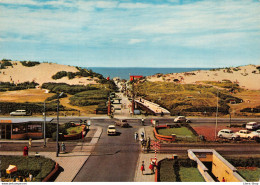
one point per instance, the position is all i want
(5, 63)
(59, 75)
(30, 63)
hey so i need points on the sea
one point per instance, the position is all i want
(125, 72)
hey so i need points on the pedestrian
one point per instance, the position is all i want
(151, 167)
(30, 177)
(30, 142)
(136, 136)
(63, 147)
(25, 151)
(142, 121)
(142, 167)
(223, 180)
(142, 135)
(58, 149)
(148, 144)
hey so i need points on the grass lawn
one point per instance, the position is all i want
(39, 167)
(250, 175)
(190, 175)
(167, 171)
(180, 132)
(186, 174)
(74, 130)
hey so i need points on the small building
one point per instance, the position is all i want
(135, 77)
(22, 128)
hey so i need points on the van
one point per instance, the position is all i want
(252, 126)
(18, 113)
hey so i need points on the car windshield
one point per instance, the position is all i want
(111, 127)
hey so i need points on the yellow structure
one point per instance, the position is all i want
(218, 168)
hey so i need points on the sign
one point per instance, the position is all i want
(5, 121)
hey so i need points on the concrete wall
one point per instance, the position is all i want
(221, 168)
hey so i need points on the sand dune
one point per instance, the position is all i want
(248, 77)
(41, 73)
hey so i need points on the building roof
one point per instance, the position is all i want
(23, 120)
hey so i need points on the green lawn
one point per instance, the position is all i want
(74, 130)
(250, 175)
(180, 132)
(39, 167)
(169, 172)
(190, 175)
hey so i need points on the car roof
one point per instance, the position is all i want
(111, 125)
(249, 123)
(226, 130)
(243, 130)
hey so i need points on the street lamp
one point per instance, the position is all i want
(216, 118)
(57, 132)
(44, 127)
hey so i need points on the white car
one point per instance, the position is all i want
(255, 134)
(244, 134)
(227, 134)
(111, 130)
(252, 126)
(18, 113)
(181, 119)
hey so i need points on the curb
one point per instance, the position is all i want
(53, 172)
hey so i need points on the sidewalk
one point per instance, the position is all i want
(146, 157)
(70, 162)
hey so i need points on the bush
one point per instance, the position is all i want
(30, 63)
(59, 75)
(5, 63)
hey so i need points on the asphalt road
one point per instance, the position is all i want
(114, 158)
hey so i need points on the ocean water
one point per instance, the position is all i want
(125, 72)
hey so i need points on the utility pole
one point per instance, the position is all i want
(44, 128)
(57, 131)
(216, 119)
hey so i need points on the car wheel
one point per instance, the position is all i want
(220, 136)
(188, 121)
(233, 138)
(248, 137)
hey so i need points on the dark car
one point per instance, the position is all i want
(122, 123)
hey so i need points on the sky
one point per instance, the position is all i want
(132, 33)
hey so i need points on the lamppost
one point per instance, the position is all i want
(57, 131)
(216, 119)
(44, 127)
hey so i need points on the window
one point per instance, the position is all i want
(18, 129)
(34, 128)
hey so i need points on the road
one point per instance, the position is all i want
(113, 159)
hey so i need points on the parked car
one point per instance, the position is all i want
(227, 134)
(252, 126)
(244, 134)
(18, 113)
(111, 130)
(255, 134)
(181, 119)
(122, 123)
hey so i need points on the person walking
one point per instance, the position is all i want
(63, 147)
(151, 167)
(142, 135)
(148, 144)
(25, 151)
(142, 167)
(142, 121)
(30, 142)
(136, 136)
